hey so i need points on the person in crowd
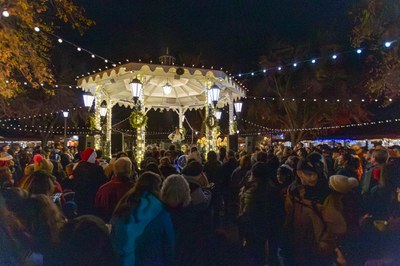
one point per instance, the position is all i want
(87, 179)
(142, 231)
(222, 155)
(153, 167)
(372, 175)
(254, 216)
(85, 241)
(349, 165)
(166, 167)
(108, 170)
(109, 194)
(239, 177)
(6, 177)
(198, 182)
(43, 222)
(65, 157)
(312, 222)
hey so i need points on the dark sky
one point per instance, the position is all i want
(228, 33)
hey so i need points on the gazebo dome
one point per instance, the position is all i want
(188, 89)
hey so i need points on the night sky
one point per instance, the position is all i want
(232, 34)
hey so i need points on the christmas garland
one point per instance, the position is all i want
(211, 121)
(137, 119)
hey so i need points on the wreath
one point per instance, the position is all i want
(211, 121)
(183, 131)
(137, 119)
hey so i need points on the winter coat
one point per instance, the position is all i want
(313, 229)
(146, 237)
(87, 179)
(108, 196)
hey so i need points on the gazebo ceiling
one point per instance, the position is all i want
(188, 87)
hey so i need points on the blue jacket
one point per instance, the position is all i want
(147, 237)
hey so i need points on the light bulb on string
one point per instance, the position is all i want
(388, 44)
(359, 51)
(93, 56)
(294, 64)
(60, 40)
(313, 61)
(334, 56)
(79, 49)
(5, 13)
(37, 29)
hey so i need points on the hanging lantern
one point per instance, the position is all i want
(167, 88)
(88, 100)
(214, 94)
(238, 107)
(136, 88)
(65, 114)
(103, 110)
(218, 114)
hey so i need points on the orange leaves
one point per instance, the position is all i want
(25, 53)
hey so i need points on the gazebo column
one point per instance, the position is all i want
(231, 117)
(140, 139)
(208, 131)
(107, 148)
(97, 118)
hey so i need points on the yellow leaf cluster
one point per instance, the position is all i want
(25, 53)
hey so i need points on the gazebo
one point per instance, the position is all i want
(163, 86)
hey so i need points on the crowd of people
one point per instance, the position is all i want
(287, 206)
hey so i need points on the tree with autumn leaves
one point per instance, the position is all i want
(25, 53)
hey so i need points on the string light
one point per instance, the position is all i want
(37, 29)
(5, 13)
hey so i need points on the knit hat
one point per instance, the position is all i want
(89, 155)
(37, 158)
(342, 184)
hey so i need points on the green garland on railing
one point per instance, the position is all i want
(137, 119)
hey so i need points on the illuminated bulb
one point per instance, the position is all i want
(390, 99)
(240, 75)
(313, 61)
(295, 64)
(37, 29)
(350, 100)
(6, 14)
(60, 40)
(359, 51)
(279, 68)
(362, 100)
(334, 56)
(264, 70)
(93, 56)
(252, 73)
(79, 49)
(387, 44)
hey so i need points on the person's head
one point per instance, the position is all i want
(212, 156)
(262, 156)
(43, 221)
(342, 184)
(231, 154)
(307, 172)
(379, 156)
(6, 178)
(259, 171)
(69, 168)
(86, 241)
(222, 153)
(285, 175)
(193, 168)
(147, 182)
(123, 168)
(175, 191)
(41, 183)
(89, 155)
(164, 161)
(245, 162)
(40, 163)
(153, 167)
(394, 151)
(121, 154)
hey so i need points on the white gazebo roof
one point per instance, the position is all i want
(188, 89)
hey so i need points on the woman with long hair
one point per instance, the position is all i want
(142, 231)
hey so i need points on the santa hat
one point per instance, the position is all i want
(40, 163)
(342, 184)
(89, 155)
(38, 158)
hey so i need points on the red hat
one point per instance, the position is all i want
(85, 155)
(37, 158)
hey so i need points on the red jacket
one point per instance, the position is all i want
(108, 196)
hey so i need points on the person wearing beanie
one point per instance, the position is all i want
(87, 179)
(198, 182)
